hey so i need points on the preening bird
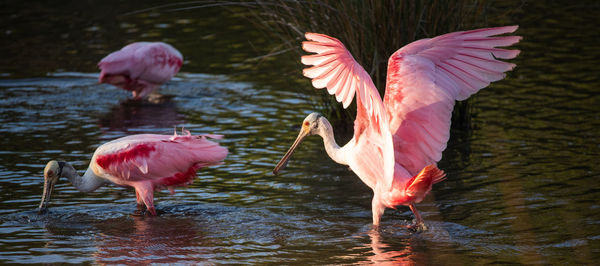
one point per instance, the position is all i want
(146, 162)
(140, 67)
(398, 141)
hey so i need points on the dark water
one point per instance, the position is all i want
(522, 184)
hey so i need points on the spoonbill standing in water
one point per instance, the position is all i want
(146, 162)
(140, 67)
(398, 141)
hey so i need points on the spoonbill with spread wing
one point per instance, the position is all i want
(398, 141)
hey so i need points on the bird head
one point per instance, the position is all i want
(52, 173)
(313, 124)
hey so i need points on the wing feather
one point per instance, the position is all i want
(352, 84)
(426, 77)
(155, 157)
(334, 68)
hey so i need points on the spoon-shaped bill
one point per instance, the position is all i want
(51, 174)
(283, 162)
(48, 187)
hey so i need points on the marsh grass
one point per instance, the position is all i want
(371, 30)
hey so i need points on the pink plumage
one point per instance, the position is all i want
(140, 67)
(398, 141)
(146, 162)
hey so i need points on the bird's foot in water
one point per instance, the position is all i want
(156, 98)
(141, 210)
(416, 227)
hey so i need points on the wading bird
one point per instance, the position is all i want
(398, 141)
(140, 67)
(146, 162)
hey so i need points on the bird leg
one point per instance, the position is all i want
(419, 225)
(377, 208)
(152, 211)
(145, 200)
(140, 209)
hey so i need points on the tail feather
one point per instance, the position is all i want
(418, 186)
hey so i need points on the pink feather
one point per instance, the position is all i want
(398, 141)
(140, 67)
(446, 69)
(335, 68)
(149, 162)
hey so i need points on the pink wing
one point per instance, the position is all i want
(427, 76)
(334, 68)
(164, 160)
(152, 62)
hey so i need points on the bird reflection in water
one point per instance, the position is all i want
(395, 245)
(136, 114)
(385, 254)
(157, 240)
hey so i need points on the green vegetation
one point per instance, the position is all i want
(371, 29)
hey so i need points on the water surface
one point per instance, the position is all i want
(522, 180)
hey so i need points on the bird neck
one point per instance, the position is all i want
(86, 183)
(333, 149)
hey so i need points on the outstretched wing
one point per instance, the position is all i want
(334, 68)
(427, 76)
(164, 160)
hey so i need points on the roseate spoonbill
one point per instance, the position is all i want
(398, 141)
(140, 67)
(146, 162)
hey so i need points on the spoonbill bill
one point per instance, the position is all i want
(146, 162)
(398, 141)
(140, 67)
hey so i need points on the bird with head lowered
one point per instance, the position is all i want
(146, 162)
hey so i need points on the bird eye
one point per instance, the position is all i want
(306, 123)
